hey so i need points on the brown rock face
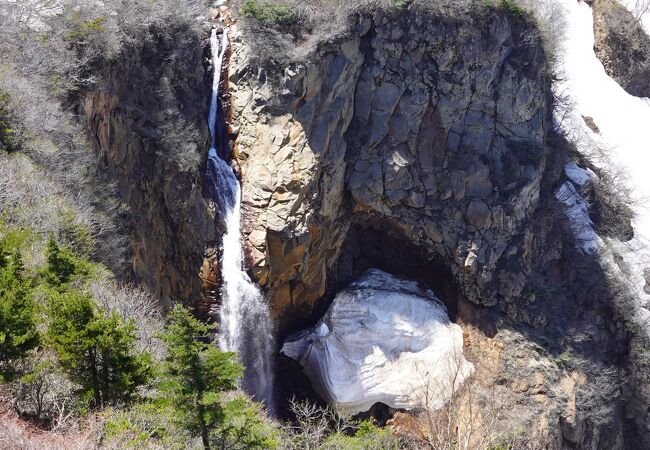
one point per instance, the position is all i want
(149, 126)
(622, 46)
(417, 132)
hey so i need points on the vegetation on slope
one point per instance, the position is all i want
(55, 333)
(286, 31)
(78, 347)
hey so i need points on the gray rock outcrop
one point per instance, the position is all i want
(623, 46)
(435, 126)
(152, 141)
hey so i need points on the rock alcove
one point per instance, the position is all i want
(371, 246)
(415, 144)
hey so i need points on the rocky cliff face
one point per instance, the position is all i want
(422, 145)
(622, 46)
(416, 144)
(153, 142)
(419, 133)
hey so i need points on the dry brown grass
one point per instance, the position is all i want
(318, 22)
(18, 434)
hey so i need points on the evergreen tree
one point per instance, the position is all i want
(18, 332)
(96, 351)
(244, 428)
(196, 374)
(62, 266)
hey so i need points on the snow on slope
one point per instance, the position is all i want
(578, 214)
(623, 143)
(382, 340)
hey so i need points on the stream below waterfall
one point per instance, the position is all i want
(245, 324)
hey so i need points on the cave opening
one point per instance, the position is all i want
(380, 244)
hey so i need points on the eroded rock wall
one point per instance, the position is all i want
(148, 124)
(422, 145)
(623, 46)
(434, 127)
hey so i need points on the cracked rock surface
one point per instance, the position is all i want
(435, 125)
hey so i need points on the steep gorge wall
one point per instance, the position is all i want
(148, 124)
(422, 145)
(623, 46)
(427, 131)
(417, 143)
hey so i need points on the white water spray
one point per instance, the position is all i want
(244, 317)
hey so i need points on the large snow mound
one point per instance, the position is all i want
(384, 340)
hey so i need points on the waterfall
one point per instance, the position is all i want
(244, 317)
(220, 181)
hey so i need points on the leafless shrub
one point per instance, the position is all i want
(67, 38)
(325, 428)
(551, 21)
(459, 423)
(313, 424)
(137, 304)
(595, 399)
(318, 22)
(43, 394)
(16, 434)
(60, 174)
(474, 416)
(640, 9)
(611, 208)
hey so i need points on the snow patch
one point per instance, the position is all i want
(622, 145)
(577, 174)
(384, 340)
(581, 225)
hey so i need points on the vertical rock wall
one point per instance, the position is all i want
(434, 127)
(623, 46)
(148, 124)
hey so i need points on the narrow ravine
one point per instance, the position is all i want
(245, 324)
(620, 147)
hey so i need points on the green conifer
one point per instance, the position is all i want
(95, 350)
(18, 332)
(196, 374)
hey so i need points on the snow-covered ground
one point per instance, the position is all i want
(382, 340)
(577, 211)
(622, 145)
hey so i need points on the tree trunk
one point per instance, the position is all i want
(205, 438)
(205, 434)
(95, 377)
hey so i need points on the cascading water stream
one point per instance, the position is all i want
(244, 317)
(220, 181)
